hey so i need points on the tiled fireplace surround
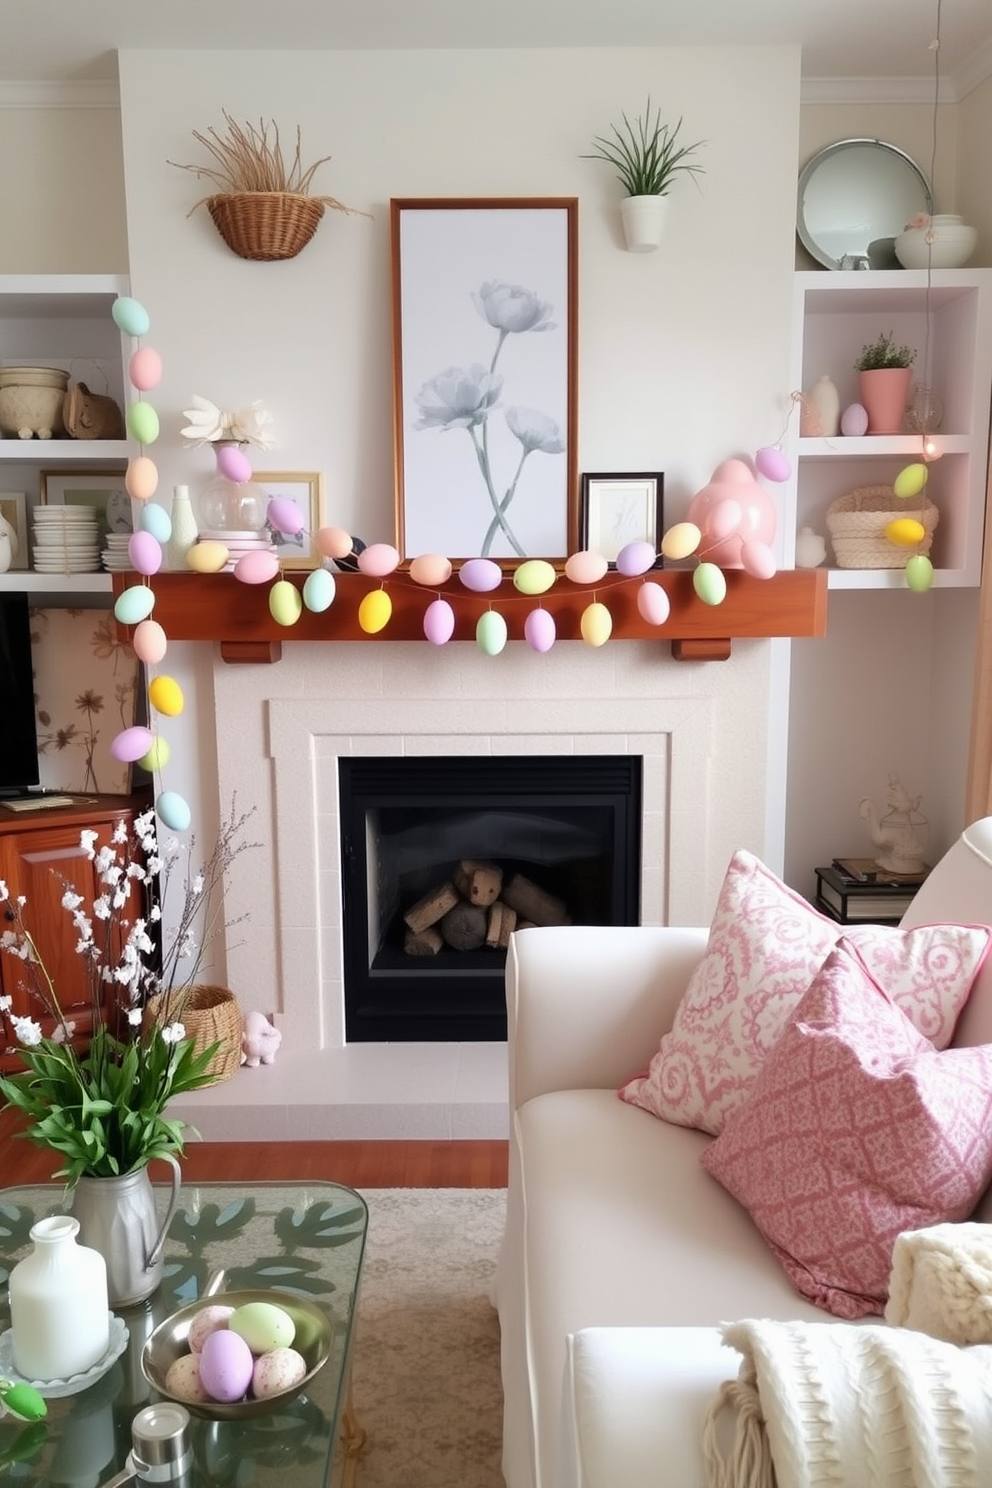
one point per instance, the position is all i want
(279, 732)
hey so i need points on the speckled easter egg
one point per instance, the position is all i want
(278, 1370)
(207, 1321)
(183, 1379)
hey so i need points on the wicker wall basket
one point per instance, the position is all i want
(265, 224)
(209, 1015)
(857, 524)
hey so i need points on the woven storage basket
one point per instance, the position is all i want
(209, 1015)
(857, 524)
(265, 224)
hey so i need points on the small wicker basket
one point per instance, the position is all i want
(265, 224)
(209, 1015)
(857, 524)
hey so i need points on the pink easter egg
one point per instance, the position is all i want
(333, 542)
(723, 519)
(378, 560)
(636, 558)
(586, 567)
(540, 631)
(758, 560)
(149, 642)
(480, 575)
(653, 604)
(145, 369)
(854, 421)
(233, 462)
(285, 515)
(772, 464)
(131, 744)
(431, 570)
(439, 622)
(256, 568)
(145, 552)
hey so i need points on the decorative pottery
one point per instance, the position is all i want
(884, 394)
(811, 548)
(643, 219)
(6, 556)
(820, 416)
(184, 530)
(7, 531)
(31, 401)
(945, 243)
(58, 1304)
(118, 1217)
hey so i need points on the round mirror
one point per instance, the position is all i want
(855, 193)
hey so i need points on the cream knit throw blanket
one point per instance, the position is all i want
(941, 1282)
(836, 1405)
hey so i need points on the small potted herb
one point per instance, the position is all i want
(647, 158)
(885, 373)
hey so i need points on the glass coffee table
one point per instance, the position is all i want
(308, 1237)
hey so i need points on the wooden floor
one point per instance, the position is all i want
(358, 1164)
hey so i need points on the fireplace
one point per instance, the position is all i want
(443, 857)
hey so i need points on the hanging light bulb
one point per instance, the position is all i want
(925, 413)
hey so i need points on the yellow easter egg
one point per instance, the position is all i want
(536, 576)
(285, 603)
(375, 611)
(905, 532)
(910, 482)
(207, 557)
(596, 624)
(681, 540)
(156, 757)
(165, 695)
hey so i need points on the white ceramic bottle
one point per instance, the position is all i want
(59, 1316)
(184, 530)
(825, 403)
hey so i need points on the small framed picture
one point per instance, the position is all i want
(102, 489)
(14, 507)
(306, 488)
(615, 510)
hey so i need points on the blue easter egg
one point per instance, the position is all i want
(173, 810)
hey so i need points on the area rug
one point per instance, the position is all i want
(425, 1371)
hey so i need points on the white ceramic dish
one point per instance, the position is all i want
(58, 1388)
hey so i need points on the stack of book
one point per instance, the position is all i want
(854, 890)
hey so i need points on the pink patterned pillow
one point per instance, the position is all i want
(857, 1129)
(766, 945)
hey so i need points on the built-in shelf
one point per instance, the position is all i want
(217, 607)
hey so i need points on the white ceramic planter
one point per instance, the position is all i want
(643, 222)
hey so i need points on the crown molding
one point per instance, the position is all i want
(846, 90)
(975, 71)
(100, 93)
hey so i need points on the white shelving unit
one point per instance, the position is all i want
(62, 320)
(949, 322)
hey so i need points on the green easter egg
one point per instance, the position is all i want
(710, 583)
(490, 633)
(536, 576)
(134, 604)
(142, 422)
(919, 573)
(910, 482)
(285, 603)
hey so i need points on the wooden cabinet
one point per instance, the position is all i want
(40, 853)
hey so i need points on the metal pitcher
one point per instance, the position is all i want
(119, 1218)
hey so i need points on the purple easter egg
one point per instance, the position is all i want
(145, 552)
(285, 515)
(233, 462)
(854, 421)
(539, 630)
(772, 464)
(636, 558)
(480, 575)
(439, 622)
(131, 744)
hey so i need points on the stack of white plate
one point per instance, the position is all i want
(239, 543)
(115, 555)
(66, 540)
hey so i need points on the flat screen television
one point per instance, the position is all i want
(18, 733)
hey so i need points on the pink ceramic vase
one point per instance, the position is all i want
(884, 394)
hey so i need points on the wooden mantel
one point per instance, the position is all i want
(217, 607)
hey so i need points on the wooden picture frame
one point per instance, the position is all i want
(485, 325)
(14, 506)
(615, 510)
(306, 488)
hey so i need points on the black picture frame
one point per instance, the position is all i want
(622, 508)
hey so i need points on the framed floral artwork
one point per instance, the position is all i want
(485, 319)
(306, 488)
(615, 510)
(86, 690)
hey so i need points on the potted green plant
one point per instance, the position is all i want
(885, 373)
(647, 158)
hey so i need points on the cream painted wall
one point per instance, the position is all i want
(62, 188)
(975, 165)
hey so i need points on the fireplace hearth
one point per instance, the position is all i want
(443, 857)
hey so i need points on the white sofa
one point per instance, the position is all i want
(622, 1255)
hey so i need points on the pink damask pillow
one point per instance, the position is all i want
(766, 945)
(857, 1130)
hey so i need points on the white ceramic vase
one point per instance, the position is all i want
(643, 220)
(59, 1313)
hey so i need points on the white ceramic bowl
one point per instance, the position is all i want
(952, 246)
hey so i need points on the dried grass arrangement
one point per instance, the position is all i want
(263, 208)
